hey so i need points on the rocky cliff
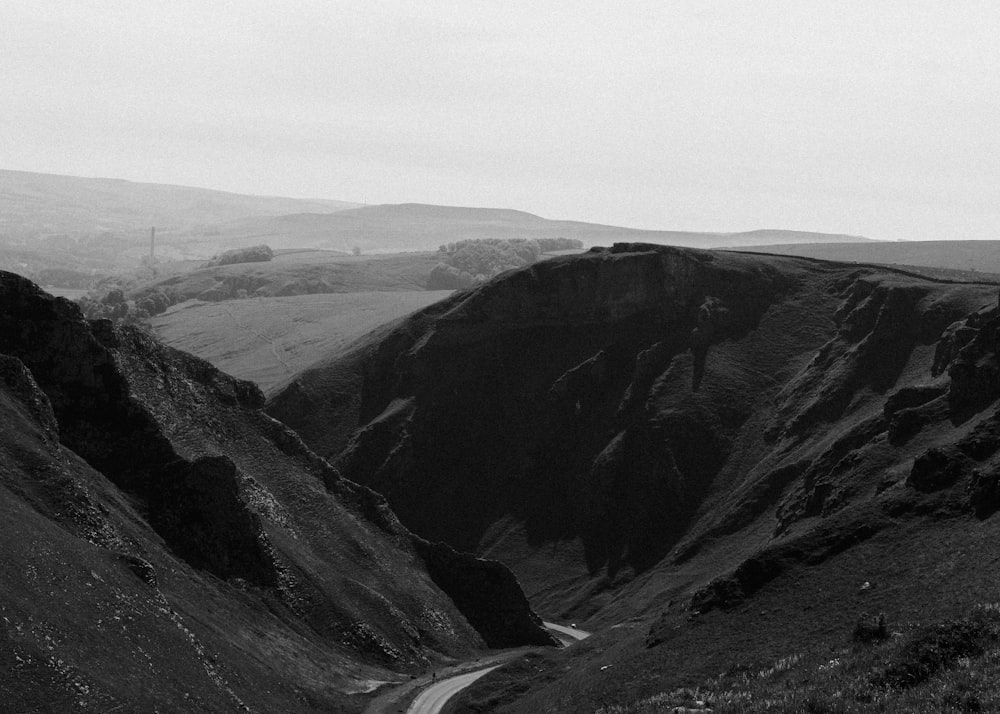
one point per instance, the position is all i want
(161, 528)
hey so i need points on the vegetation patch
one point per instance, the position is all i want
(471, 262)
(950, 666)
(253, 254)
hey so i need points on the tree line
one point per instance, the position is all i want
(470, 262)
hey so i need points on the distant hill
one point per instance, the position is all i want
(414, 226)
(981, 256)
(68, 231)
(36, 205)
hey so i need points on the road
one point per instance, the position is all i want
(566, 635)
(433, 699)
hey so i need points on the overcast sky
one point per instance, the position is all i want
(868, 117)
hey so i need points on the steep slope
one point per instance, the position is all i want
(644, 424)
(159, 528)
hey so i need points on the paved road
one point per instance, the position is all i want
(566, 635)
(433, 699)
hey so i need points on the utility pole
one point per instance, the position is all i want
(152, 250)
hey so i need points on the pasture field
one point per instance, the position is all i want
(269, 340)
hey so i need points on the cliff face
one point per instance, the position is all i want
(526, 398)
(163, 528)
(633, 409)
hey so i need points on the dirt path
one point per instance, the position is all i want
(271, 343)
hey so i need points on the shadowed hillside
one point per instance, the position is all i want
(645, 430)
(160, 528)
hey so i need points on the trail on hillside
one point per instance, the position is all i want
(269, 340)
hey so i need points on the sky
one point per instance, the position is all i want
(878, 118)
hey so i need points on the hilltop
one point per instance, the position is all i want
(705, 454)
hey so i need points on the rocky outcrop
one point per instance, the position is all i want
(487, 593)
(202, 512)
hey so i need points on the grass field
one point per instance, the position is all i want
(269, 340)
(302, 272)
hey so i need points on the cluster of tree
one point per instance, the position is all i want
(253, 254)
(470, 262)
(111, 303)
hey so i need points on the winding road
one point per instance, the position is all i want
(433, 699)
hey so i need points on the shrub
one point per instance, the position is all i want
(253, 254)
(934, 648)
(870, 628)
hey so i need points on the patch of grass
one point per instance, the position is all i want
(269, 340)
(870, 628)
(951, 666)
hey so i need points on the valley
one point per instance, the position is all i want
(724, 464)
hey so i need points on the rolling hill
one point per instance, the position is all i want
(68, 231)
(36, 205)
(411, 226)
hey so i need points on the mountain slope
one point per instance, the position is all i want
(160, 528)
(644, 424)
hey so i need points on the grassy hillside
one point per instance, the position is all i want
(270, 340)
(299, 273)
